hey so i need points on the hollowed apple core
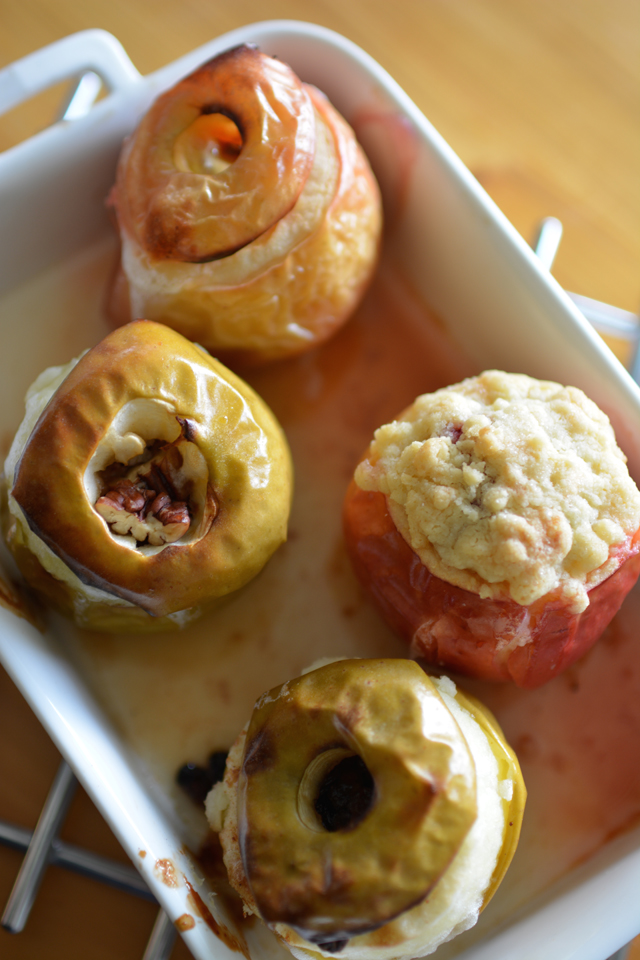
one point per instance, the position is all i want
(336, 792)
(148, 480)
(208, 145)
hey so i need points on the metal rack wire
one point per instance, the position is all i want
(43, 848)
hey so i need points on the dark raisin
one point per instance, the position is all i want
(331, 946)
(345, 795)
(334, 946)
(217, 763)
(195, 781)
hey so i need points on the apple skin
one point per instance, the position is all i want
(454, 628)
(425, 797)
(248, 463)
(194, 215)
(277, 261)
(509, 767)
(295, 735)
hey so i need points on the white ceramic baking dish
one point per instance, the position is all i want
(462, 259)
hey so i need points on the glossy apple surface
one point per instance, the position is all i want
(454, 628)
(258, 244)
(241, 496)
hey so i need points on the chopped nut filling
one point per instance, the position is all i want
(147, 503)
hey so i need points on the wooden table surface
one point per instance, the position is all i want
(540, 99)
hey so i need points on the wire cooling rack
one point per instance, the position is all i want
(42, 848)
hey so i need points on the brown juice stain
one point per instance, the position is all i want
(165, 872)
(16, 599)
(175, 697)
(198, 905)
(184, 922)
(209, 860)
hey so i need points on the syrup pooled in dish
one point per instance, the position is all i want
(496, 526)
(145, 483)
(368, 810)
(249, 217)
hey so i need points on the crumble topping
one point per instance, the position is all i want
(507, 486)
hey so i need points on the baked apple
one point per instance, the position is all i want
(495, 525)
(145, 483)
(248, 215)
(368, 810)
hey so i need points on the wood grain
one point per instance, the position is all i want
(540, 100)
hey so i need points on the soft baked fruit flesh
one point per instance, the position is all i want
(249, 217)
(496, 527)
(146, 482)
(434, 799)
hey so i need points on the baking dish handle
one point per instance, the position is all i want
(90, 51)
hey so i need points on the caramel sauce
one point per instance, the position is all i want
(184, 922)
(177, 698)
(209, 859)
